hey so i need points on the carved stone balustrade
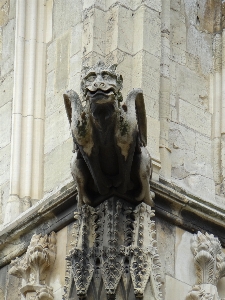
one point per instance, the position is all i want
(115, 253)
(35, 267)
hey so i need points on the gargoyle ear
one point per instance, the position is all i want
(113, 67)
(68, 107)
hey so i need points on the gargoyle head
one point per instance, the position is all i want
(101, 83)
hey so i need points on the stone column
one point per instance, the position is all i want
(26, 174)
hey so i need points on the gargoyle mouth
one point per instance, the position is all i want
(101, 92)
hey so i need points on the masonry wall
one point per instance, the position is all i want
(174, 51)
(7, 50)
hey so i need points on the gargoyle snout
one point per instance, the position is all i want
(99, 85)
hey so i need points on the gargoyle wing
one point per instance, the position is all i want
(73, 105)
(135, 105)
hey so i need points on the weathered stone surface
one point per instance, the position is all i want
(4, 12)
(62, 63)
(184, 258)
(6, 90)
(5, 129)
(8, 46)
(65, 15)
(147, 27)
(176, 289)
(56, 120)
(57, 279)
(93, 38)
(194, 117)
(166, 238)
(5, 163)
(56, 175)
(105, 130)
(35, 266)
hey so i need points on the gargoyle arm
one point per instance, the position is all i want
(135, 104)
(73, 105)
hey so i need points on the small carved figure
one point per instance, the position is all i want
(109, 135)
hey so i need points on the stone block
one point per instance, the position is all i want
(199, 44)
(5, 129)
(57, 278)
(175, 5)
(190, 86)
(124, 68)
(166, 234)
(8, 47)
(92, 58)
(4, 12)
(153, 130)
(178, 30)
(73, 14)
(127, 3)
(12, 9)
(175, 289)
(13, 288)
(195, 117)
(62, 62)
(221, 288)
(147, 31)
(178, 55)
(151, 106)
(154, 5)
(4, 196)
(181, 137)
(75, 64)
(184, 259)
(148, 75)
(57, 166)
(6, 90)
(87, 4)
(51, 57)
(74, 82)
(119, 19)
(5, 163)
(203, 149)
(76, 38)
(50, 84)
(57, 129)
(93, 38)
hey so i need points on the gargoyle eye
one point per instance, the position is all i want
(91, 77)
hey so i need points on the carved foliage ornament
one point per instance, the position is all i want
(209, 258)
(117, 241)
(110, 157)
(210, 266)
(35, 266)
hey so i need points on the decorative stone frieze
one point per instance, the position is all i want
(210, 266)
(114, 244)
(35, 267)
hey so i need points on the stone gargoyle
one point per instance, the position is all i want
(109, 135)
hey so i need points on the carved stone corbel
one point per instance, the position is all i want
(210, 266)
(114, 246)
(35, 266)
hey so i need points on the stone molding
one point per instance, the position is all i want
(56, 211)
(114, 242)
(34, 267)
